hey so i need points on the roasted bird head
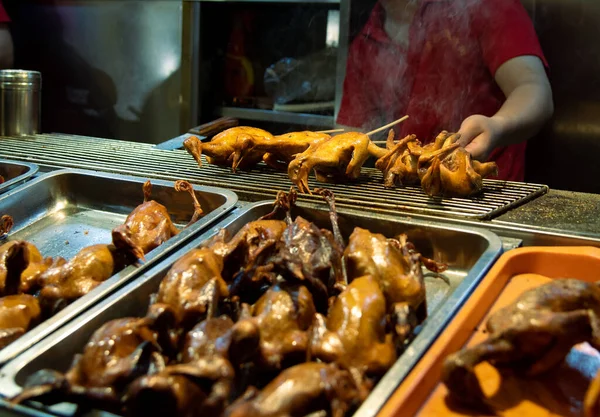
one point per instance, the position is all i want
(529, 336)
(117, 353)
(227, 147)
(341, 156)
(193, 287)
(198, 388)
(6, 224)
(18, 314)
(354, 333)
(283, 315)
(298, 391)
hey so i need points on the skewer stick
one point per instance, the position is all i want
(330, 131)
(372, 132)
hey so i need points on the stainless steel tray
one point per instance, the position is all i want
(469, 253)
(65, 211)
(15, 172)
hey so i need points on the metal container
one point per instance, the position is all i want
(469, 253)
(14, 173)
(20, 102)
(64, 211)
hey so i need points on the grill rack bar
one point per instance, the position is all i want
(142, 159)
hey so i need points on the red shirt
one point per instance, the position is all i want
(446, 75)
(3, 15)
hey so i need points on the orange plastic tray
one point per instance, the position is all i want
(558, 393)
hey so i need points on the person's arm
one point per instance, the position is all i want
(527, 108)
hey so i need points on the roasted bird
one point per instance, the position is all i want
(18, 314)
(149, 224)
(530, 336)
(339, 158)
(354, 333)
(591, 402)
(299, 391)
(117, 353)
(198, 388)
(226, 148)
(399, 164)
(66, 281)
(283, 315)
(193, 287)
(397, 269)
(449, 170)
(279, 151)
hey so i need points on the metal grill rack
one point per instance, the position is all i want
(71, 151)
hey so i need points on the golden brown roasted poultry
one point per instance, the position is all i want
(193, 287)
(199, 388)
(530, 336)
(591, 402)
(354, 333)
(66, 281)
(18, 314)
(299, 391)
(399, 164)
(149, 224)
(283, 315)
(449, 170)
(336, 159)
(397, 269)
(117, 353)
(226, 148)
(279, 151)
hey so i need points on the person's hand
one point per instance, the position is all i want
(479, 135)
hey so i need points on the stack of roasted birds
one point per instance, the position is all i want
(282, 319)
(442, 167)
(33, 288)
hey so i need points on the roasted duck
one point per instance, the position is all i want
(337, 159)
(282, 315)
(18, 314)
(149, 224)
(28, 282)
(193, 287)
(354, 333)
(299, 391)
(226, 148)
(398, 271)
(117, 353)
(530, 336)
(66, 281)
(279, 151)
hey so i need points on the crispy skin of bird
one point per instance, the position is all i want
(529, 336)
(299, 391)
(342, 156)
(226, 148)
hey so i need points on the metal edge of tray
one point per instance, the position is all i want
(32, 170)
(82, 304)
(385, 386)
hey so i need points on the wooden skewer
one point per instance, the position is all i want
(330, 131)
(400, 120)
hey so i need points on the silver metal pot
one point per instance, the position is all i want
(20, 102)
